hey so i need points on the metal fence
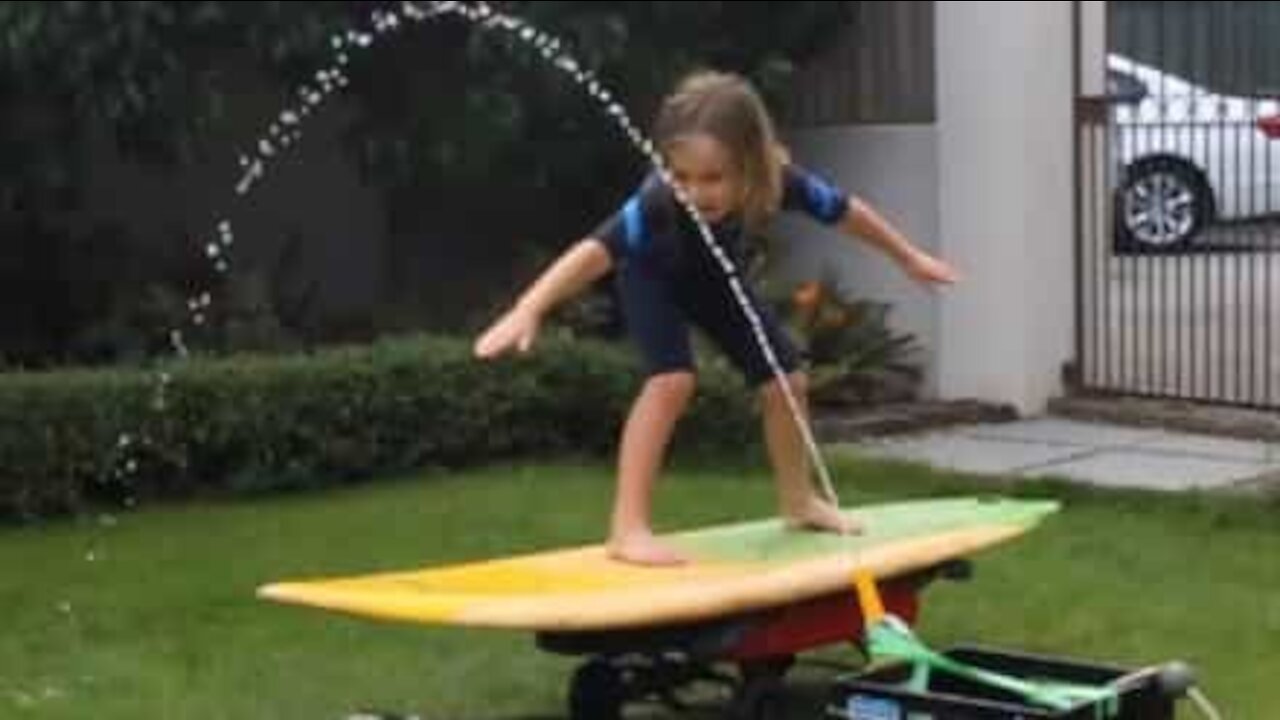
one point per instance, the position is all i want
(1178, 204)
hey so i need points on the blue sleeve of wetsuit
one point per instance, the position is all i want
(629, 231)
(820, 199)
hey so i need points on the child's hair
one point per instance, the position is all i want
(726, 107)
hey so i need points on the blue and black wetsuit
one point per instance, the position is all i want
(667, 278)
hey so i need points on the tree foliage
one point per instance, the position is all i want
(449, 117)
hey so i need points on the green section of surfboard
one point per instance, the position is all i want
(767, 540)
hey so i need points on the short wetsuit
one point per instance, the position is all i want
(667, 279)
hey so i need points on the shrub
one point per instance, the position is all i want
(264, 423)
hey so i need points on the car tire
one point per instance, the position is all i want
(1163, 204)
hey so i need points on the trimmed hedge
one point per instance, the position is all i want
(254, 424)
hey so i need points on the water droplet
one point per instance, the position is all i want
(224, 226)
(222, 267)
(289, 117)
(253, 173)
(91, 557)
(64, 607)
(212, 250)
(131, 466)
(336, 42)
(343, 59)
(198, 319)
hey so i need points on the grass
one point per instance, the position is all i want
(152, 615)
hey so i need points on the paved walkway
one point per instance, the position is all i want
(1089, 452)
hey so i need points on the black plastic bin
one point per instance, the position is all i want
(1144, 694)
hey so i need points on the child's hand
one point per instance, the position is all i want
(517, 329)
(926, 268)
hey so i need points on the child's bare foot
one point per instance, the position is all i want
(818, 514)
(643, 549)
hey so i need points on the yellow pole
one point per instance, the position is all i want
(868, 598)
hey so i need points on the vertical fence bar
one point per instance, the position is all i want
(1156, 261)
(1077, 206)
(1271, 23)
(1237, 229)
(1252, 82)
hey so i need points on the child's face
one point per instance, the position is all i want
(703, 166)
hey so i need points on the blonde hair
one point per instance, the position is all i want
(726, 107)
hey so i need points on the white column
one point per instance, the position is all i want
(1006, 217)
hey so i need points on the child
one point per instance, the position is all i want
(719, 143)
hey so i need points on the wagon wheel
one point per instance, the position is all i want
(761, 695)
(596, 692)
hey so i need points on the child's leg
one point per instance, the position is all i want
(645, 438)
(657, 325)
(800, 502)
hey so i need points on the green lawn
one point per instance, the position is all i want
(152, 614)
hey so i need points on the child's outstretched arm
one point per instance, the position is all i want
(863, 221)
(578, 267)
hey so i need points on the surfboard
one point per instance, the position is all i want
(735, 568)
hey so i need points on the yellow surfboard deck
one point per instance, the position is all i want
(735, 568)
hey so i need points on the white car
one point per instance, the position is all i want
(1187, 156)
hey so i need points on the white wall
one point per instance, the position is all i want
(895, 168)
(1006, 218)
(1093, 47)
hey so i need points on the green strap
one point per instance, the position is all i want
(890, 638)
(919, 681)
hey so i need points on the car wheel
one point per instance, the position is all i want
(1163, 204)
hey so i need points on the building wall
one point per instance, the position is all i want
(895, 169)
(989, 186)
(879, 71)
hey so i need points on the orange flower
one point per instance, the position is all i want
(807, 296)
